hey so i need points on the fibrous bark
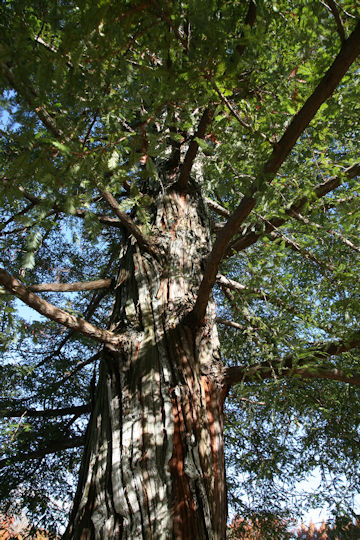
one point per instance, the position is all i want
(153, 464)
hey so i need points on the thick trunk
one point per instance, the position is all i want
(153, 465)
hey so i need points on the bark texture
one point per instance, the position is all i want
(153, 465)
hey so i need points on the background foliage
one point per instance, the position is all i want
(105, 93)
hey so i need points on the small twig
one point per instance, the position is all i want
(230, 107)
(90, 128)
(217, 208)
(331, 232)
(232, 324)
(79, 366)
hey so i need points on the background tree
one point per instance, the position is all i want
(159, 157)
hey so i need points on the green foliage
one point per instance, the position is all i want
(103, 94)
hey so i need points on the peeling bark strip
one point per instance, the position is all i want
(153, 466)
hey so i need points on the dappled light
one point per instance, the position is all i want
(179, 284)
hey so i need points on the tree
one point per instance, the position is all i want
(19, 529)
(244, 530)
(183, 165)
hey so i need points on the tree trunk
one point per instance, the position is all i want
(153, 464)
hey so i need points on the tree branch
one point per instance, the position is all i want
(320, 191)
(166, 17)
(129, 224)
(32, 413)
(249, 20)
(217, 207)
(331, 232)
(331, 5)
(72, 287)
(52, 448)
(14, 216)
(105, 220)
(349, 51)
(186, 167)
(56, 314)
(347, 55)
(227, 103)
(290, 365)
(77, 368)
(333, 203)
(228, 283)
(28, 94)
(305, 253)
(239, 374)
(89, 312)
(231, 324)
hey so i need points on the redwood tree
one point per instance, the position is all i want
(172, 168)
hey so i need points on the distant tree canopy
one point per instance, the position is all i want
(240, 529)
(157, 156)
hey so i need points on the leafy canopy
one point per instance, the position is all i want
(100, 95)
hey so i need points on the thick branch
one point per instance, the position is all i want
(128, 223)
(32, 413)
(72, 287)
(52, 448)
(350, 50)
(56, 314)
(185, 171)
(347, 55)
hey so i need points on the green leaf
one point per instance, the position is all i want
(113, 160)
(62, 147)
